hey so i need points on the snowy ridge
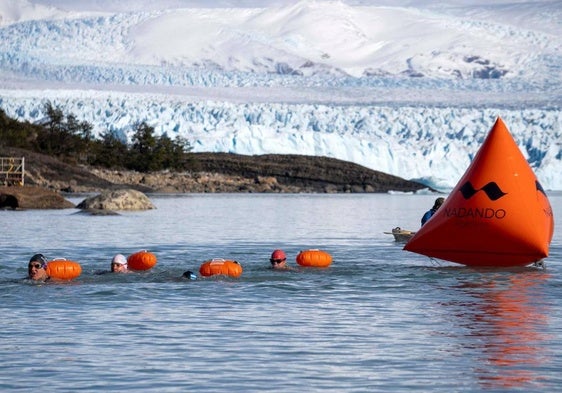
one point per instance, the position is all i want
(14, 11)
(406, 87)
(300, 38)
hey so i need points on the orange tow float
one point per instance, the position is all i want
(219, 266)
(498, 215)
(314, 258)
(141, 260)
(63, 269)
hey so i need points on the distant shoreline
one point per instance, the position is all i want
(217, 173)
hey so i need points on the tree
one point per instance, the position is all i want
(53, 137)
(110, 151)
(141, 155)
(64, 136)
(151, 153)
(15, 133)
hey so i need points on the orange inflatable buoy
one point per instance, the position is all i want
(63, 269)
(314, 258)
(498, 215)
(219, 266)
(141, 260)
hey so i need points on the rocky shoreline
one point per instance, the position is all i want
(212, 173)
(187, 182)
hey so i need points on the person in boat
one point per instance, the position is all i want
(278, 260)
(119, 264)
(37, 268)
(428, 214)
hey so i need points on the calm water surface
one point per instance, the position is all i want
(379, 319)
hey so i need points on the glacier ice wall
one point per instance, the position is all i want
(432, 143)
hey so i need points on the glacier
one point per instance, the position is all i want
(349, 80)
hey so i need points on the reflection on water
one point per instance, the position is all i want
(506, 320)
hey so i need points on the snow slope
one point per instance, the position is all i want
(406, 87)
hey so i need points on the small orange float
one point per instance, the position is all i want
(63, 269)
(314, 258)
(141, 260)
(219, 266)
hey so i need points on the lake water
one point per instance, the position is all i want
(379, 319)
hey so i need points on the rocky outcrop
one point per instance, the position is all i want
(117, 200)
(197, 182)
(225, 172)
(30, 197)
(303, 173)
(216, 173)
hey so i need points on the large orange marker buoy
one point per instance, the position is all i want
(498, 215)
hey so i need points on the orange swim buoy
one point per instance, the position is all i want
(141, 260)
(219, 266)
(314, 258)
(63, 269)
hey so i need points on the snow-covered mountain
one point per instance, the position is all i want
(406, 87)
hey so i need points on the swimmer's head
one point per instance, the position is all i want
(39, 258)
(118, 263)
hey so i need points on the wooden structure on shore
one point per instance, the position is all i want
(12, 171)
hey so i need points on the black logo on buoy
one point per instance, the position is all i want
(539, 187)
(491, 189)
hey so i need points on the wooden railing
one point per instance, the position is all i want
(12, 171)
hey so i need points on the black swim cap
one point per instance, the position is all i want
(189, 275)
(39, 258)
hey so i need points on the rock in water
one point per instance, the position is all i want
(118, 200)
(30, 197)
